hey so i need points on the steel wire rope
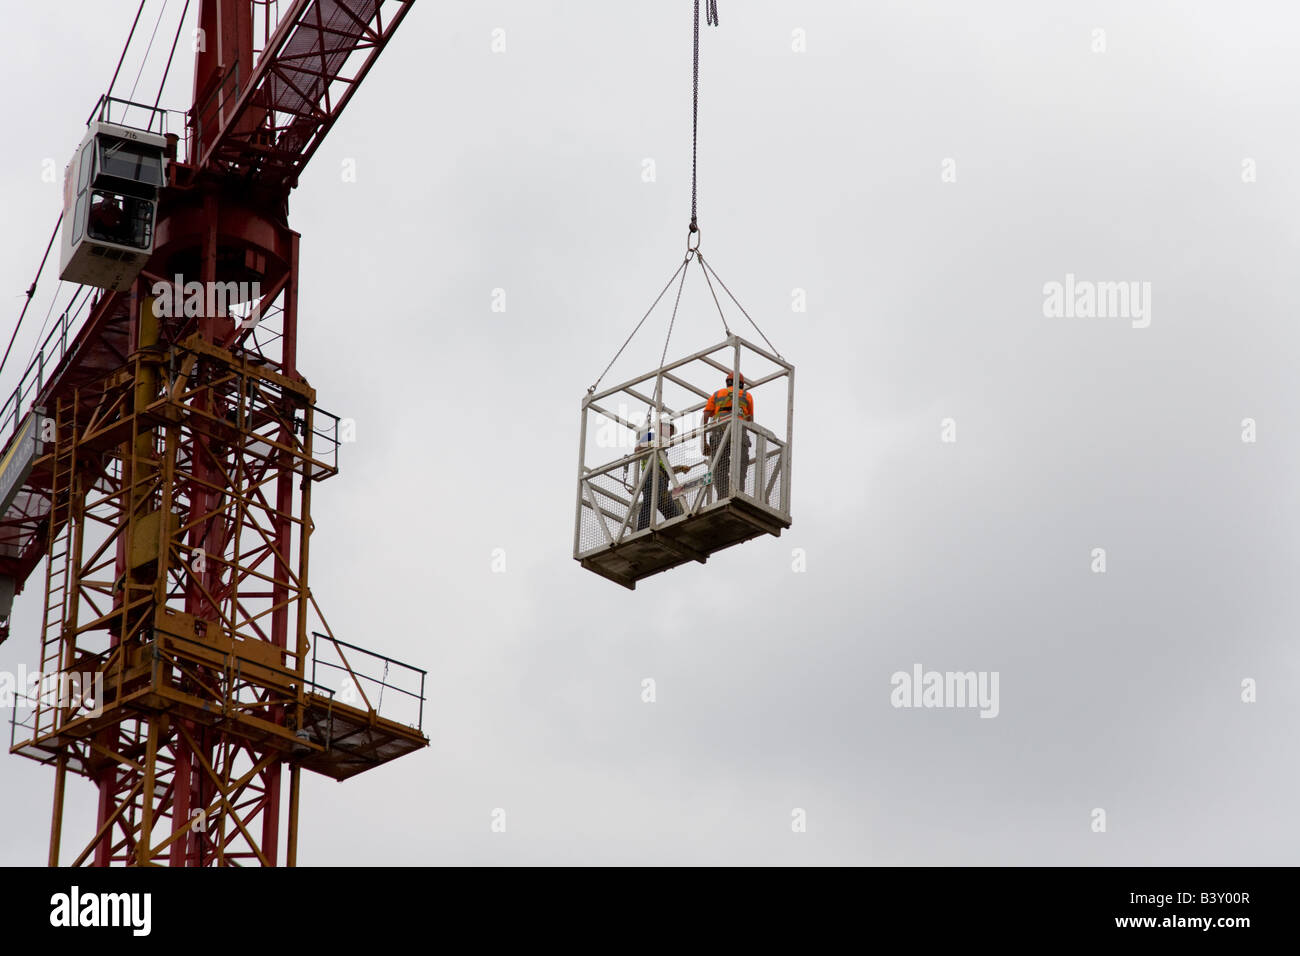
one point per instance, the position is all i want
(715, 275)
(31, 290)
(148, 49)
(168, 68)
(665, 289)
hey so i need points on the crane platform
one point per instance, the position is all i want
(186, 671)
(654, 498)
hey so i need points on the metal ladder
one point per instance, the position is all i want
(46, 719)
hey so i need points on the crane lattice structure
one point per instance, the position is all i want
(160, 462)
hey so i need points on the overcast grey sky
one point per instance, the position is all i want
(821, 170)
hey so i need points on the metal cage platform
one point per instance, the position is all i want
(660, 486)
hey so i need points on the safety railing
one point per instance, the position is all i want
(766, 468)
(234, 681)
(363, 679)
(52, 350)
(56, 699)
(123, 112)
(326, 438)
(209, 115)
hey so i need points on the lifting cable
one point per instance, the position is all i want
(126, 46)
(708, 270)
(711, 12)
(31, 291)
(148, 49)
(680, 268)
(699, 258)
(671, 322)
(168, 68)
(711, 18)
(693, 232)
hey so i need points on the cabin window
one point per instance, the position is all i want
(83, 168)
(122, 220)
(83, 178)
(126, 160)
(78, 218)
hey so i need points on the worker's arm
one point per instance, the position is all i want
(704, 424)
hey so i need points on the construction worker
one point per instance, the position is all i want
(107, 219)
(719, 406)
(668, 507)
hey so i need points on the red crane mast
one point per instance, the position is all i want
(160, 461)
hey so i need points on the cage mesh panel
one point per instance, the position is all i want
(713, 462)
(776, 498)
(611, 492)
(681, 454)
(766, 472)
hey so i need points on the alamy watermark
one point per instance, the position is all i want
(1085, 299)
(74, 909)
(181, 299)
(24, 690)
(921, 688)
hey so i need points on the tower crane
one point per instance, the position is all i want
(159, 458)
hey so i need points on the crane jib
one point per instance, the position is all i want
(283, 110)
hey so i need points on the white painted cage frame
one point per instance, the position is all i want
(613, 500)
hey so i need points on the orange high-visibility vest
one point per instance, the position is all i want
(719, 404)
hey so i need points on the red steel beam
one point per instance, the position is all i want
(288, 103)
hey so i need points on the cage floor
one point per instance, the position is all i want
(692, 539)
